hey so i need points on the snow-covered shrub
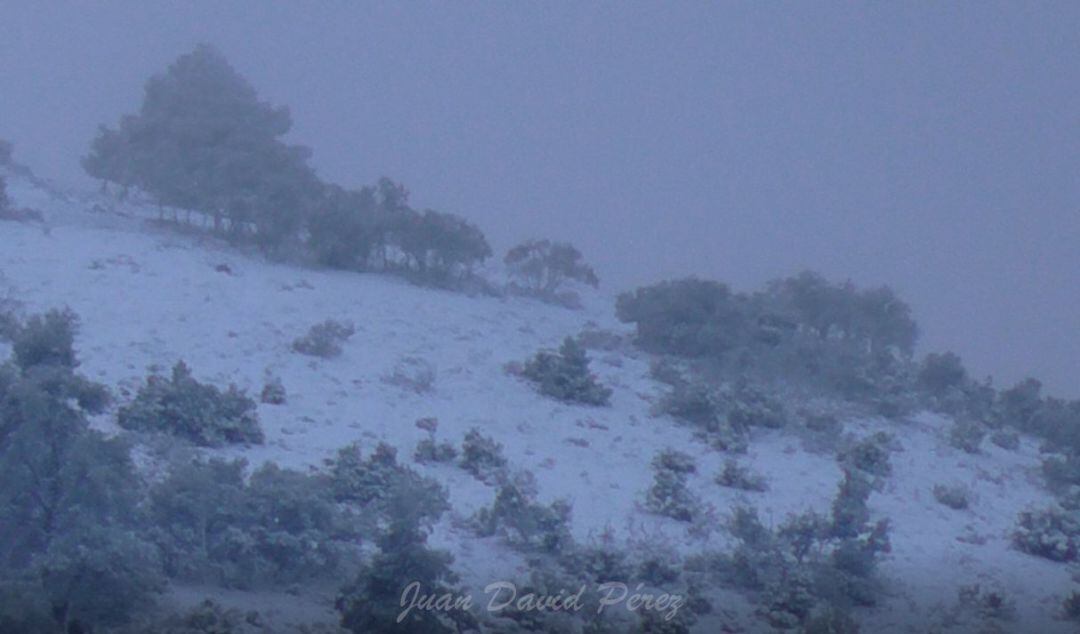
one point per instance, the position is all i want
(275, 528)
(955, 496)
(413, 374)
(523, 522)
(985, 604)
(674, 460)
(1006, 439)
(752, 407)
(273, 392)
(1061, 472)
(374, 482)
(1070, 606)
(564, 375)
(736, 476)
(869, 455)
(669, 495)
(693, 402)
(849, 508)
(201, 413)
(1052, 533)
(324, 339)
(429, 451)
(482, 457)
(967, 435)
(46, 339)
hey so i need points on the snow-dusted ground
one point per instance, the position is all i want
(150, 297)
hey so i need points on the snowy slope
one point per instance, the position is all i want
(148, 297)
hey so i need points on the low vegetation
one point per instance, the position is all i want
(182, 406)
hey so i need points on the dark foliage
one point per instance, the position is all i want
(275, 528)
(565, 375)
(201, 413)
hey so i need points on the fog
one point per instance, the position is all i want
(932, 147)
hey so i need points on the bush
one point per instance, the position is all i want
(565, 376)
(1051, 533)
(869, 455)
(694, 403)
(275, 528)
(1061, 472)
(182, 406)
(324, 339)
(955, 497)
(273, 392)
(1006, 439)
(522, 521)
(735, 476)
(669, 495)
(46, 340)
(967, 435)
(940, 373)
(1070, 606)
(482, 457)
(429, 451)
(373, 483)
(751, 407)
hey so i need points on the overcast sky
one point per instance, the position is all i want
(934, 147)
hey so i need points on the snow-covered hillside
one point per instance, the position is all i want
(148, 297)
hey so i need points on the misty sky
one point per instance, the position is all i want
(931, 146)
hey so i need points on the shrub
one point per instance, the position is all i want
(673, 460)
(324, 339)
(967, 435)
(413, 374)
(669, 495)
(1070, 606)
(275, 528)
(273, 392)
(694, 403)
(941, 372)
(751, 407)
(46, 340)
(429, 451)
(373, 483)
(482, 456)
(182, 406)
(849, 509)
(1061, 472)
(1006, 439)
(955, 497)
(565, 375)
(1051, 533)
(441, 246)
(522, 521)
(986, 603)
(869, 455)
(739, 477)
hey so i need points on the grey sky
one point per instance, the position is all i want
(931, 146)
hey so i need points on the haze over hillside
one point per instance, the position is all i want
(932, 148)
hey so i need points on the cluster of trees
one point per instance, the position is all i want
(798, 327)
(202, 142)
